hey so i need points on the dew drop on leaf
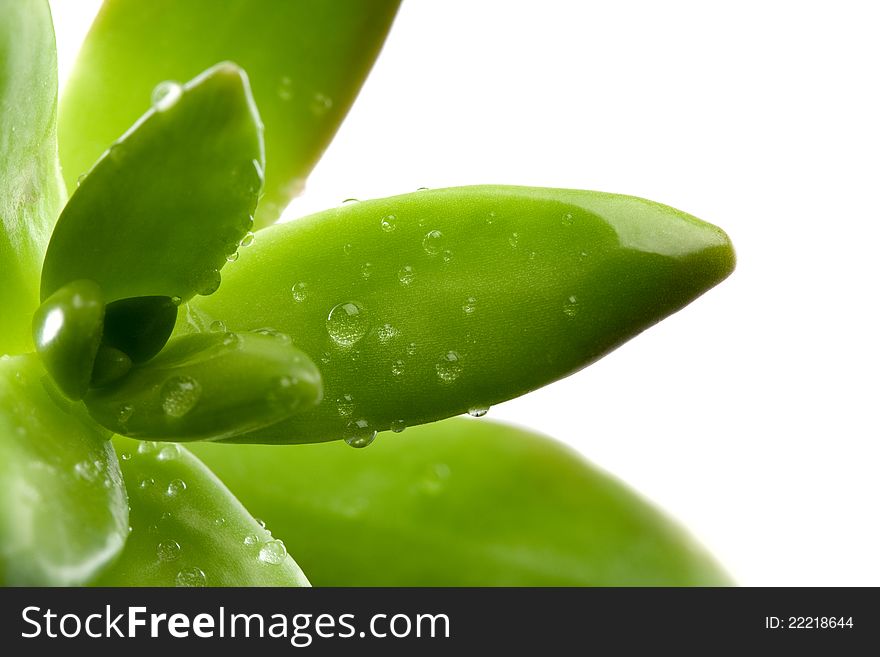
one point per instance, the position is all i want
(273, 552)
(179, 395)
(347, 323)
(359, 433)
(190, 577)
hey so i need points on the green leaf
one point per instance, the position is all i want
(187, 529)
(63, 508)
(209, 386)
(459, 503)
(306, 61)
(422, 306)
(167, 203)
(31, 191)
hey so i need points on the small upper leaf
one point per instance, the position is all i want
(31, 191)
(170, 200)
(63, 507)
(306, 61)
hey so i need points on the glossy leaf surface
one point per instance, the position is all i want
(459, 503)
(31, 191)
(170, 200)
(188, 529)
(63, 508)
(306, 60)
(422, 306)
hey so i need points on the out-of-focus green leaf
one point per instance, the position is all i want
(63, 508)
(187, 529)
(31, 191)
(306, 60)
(459, 503)
(160, 212)
(422, 306)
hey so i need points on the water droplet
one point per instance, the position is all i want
(190, 577)
(300, 292)
(411, 349)
(217, 326)
(388, 223)
(447, 256)
(268, 331)
(80, 179)
(219, 521)
(125, 456)
(584, 254)
(260, 522)
(567, 219)
(398, 425)
(248, 239)
(513, 240)
(321, 104)
(469, 306)
(366, 270)
(273, 552)
(433, 242)
(175, 488)
(325, 357)
(146, 482)
(179, 395)
(232, 257)
(345, 405)
(168, 550)
(387, 333)
(532, 255)
(359, 433)
(347, 323)
(448, 367)
(347, 249)
(397, 368)
(148, 447)
(406, 275)
(87, 470)
(209, 285)
(570, 307)
(251, 540)
(168, 452)
(478, 411)
(232, 340)
(165, 95)
(124, 413)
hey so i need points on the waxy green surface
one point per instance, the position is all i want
(188, 529)
(63, 507)
(459, 503)
(306, 60)
(31, 191)
(422, 306)
(165, 206)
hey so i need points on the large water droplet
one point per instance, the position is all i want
(179, 395)
(448, 367)
(398, 425)
(124, 413)
(217, 326)
(190, 577)
(273, 552)
(406, 275)
(300, 292)
(359, 433)
(165, 95)
(570, 307)
(148, 447)
(209, 285)
(388, 223)
(347, 323)
(251, 540)
(168, 452)
(232, 257)
(433, 242)
(168, 550)
(248, 239)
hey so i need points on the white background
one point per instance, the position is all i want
(751, 416)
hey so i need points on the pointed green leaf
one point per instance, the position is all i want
(187, 529)
(306, 61)
(168, 202)
(63, 508)
(422, 306)
(459, 503)
(209, 386)
(31, 191)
